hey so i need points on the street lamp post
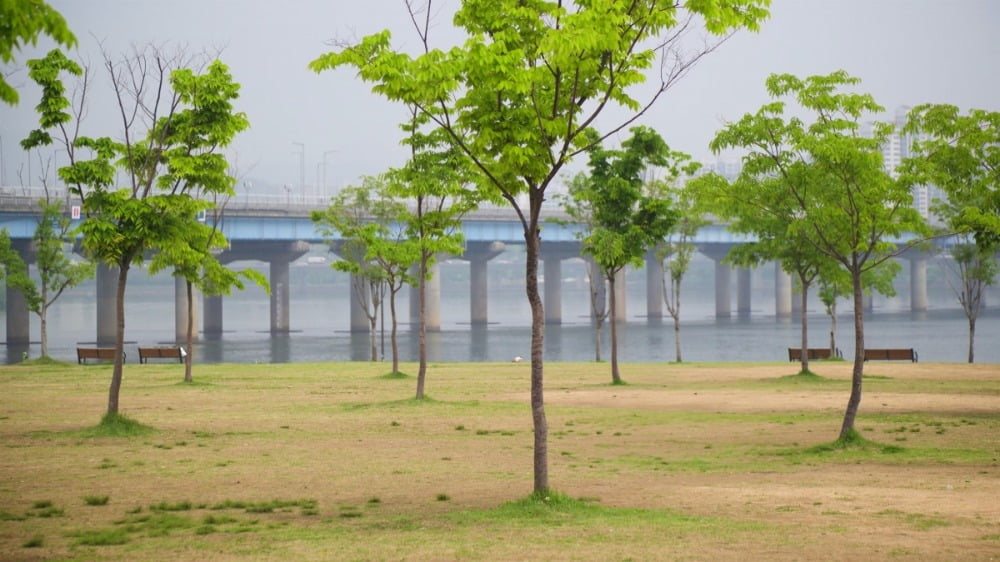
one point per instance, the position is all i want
(325, 154)
(302, 165)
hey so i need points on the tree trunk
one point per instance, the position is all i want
(116, 374)
(859, 356)
(675, 313)
(804, 337)
(597, 339)
(972, 337)
(613, 316)
(43, 325)
(422, 326)
(189, 336)
(833, 328)
(392, 331)
(533, 244)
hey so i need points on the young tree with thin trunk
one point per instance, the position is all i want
(959, 154)
(521, 95)
(676, 251)
(847, 207)
(436, 182)
(153, 94)
(56, 270)
(628, 219)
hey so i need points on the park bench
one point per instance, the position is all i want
(795, 353)
(891, 354)
(98, 353)
(147, 353)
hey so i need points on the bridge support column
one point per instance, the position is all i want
(479, 255)
(360, 300)
(918, 283)
(212, 315)
(279, 296)
(18, 315)
(723, 279)
(181, 309)
(782, 292)
(654, 286)
(743, 292)
(107, 287)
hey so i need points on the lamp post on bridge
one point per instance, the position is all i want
(302, 165)
(325, 154)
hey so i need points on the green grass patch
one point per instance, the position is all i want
(96, 500)
(34, 542)
(396, 375)
(102, 537)
(118, 425)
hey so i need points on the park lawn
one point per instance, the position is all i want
(320, 461)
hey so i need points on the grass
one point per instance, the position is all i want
(692, 461)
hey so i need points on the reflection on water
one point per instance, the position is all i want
(321, 330)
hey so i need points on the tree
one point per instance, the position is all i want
(676, 251)
(766, 209)
(161, 110)
(376, 247)
(436, 181)
(847, 207)
(22, 22)
(580, 210)
(958, 153)
(519, 97)
(627, 218)
(56, 271)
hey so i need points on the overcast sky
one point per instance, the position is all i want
(906, 52)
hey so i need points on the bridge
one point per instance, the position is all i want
(278, 230)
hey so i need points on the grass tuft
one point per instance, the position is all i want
(619, 382)
(34, 542)
(96, 500)
(396, 375)
(854, 441)
(118, 425)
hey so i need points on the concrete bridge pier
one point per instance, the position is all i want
(360, 305)
(18, 315)
(212, 315)
(743, 291)
(723, 278)
(278, 254)
(918, 281)
(479, 255)
(552, 255)
(782, 292)
(432, 306)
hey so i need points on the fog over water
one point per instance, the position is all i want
(320, 321)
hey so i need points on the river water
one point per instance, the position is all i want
(319, 312)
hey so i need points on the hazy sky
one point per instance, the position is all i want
(905, 51)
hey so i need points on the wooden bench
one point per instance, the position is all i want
(98, 353)
(795, 353)
(147, 353)
(891, 354)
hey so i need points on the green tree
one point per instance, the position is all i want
(376, 245)
(56, 270)
(958, 153)
(580, 212)
(628, 219)
(519, 96)
(22, 22)
(436, 181)
(156, 98)
(847, 207)
(676, 251)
